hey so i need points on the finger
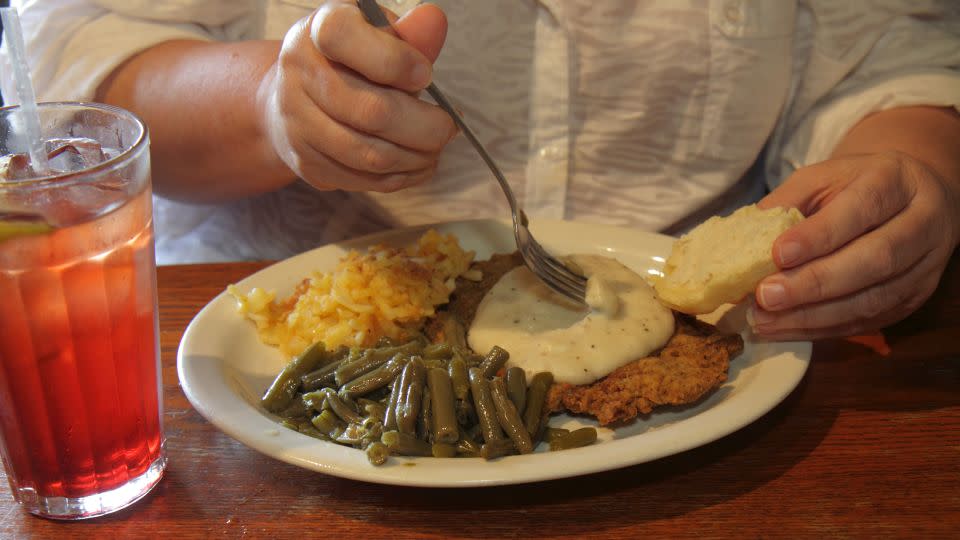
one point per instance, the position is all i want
(341, 33)
(843, 330)
(867, 309)
(324, 173)
(424, 27)
(384, 112)
(355, 149)
(873, 258)
(871, 199)
(810, 187)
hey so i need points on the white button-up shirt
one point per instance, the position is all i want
(631, 112)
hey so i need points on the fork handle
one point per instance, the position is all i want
(371, 10)
(444, 104)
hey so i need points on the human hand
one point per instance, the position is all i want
(879, 232)
(339, 106)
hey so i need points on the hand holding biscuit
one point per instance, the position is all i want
(880, 229)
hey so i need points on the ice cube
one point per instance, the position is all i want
(74, 154)
(15, 167)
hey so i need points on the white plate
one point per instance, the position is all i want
(224, 369)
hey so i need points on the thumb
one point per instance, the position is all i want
(425, 28)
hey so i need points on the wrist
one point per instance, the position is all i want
(268, 126)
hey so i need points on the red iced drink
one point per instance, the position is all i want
(80, 428)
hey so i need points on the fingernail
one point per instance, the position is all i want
(772, 295)
(422, 73)
(789, 253)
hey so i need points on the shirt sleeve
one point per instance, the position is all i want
(855, 66)
(73, 45)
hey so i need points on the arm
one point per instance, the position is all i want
(200, 101)
(929, 134)
(334, 104)
(883, 220)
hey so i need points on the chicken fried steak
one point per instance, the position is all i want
(692, 363)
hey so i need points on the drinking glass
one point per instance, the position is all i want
(80, 387)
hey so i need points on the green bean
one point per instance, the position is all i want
(435, 363)
(494, 360)
(405, 444)
(517, 388)
(337, 355)
(371, 359)
(484, 407)
(497, 448)
(289, 423)
(285, 385)
(467, 446)
(459, 377)
(443, 450)
(466, 414)
(544, 424)
(348, 437)
(552, 434)
(313, 401)
(296, 409)
(397, 389)
(453, 332)
(349, 371)
(575, 439)
(435, 351)
(444, 414)
(338, 405)
(536, 401)
(320, 378)
(472, 359)
(377, 453)
(307, 429)
(509, 418)
(375, 410)
(327, 422)
(473, 431)
(410, 398)
(324, 375)
(425, 418)
(373, 380)
(370, 430)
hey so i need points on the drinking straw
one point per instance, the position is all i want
(29, 118)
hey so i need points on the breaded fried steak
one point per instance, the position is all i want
(692, 363)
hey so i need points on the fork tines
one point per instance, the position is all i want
(558, 276)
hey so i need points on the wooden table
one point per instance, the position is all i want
(868, 445)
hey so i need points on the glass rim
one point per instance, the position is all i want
(113, 163)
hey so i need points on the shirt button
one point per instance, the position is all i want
(549, 152)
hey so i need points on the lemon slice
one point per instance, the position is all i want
(13, 229)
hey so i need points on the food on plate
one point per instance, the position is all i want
(694, 360)
(723, 259)
(384, 292)
(545, 332)
(419, 352)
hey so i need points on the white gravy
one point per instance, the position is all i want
(542, 331)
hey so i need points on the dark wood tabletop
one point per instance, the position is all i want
(867, 445)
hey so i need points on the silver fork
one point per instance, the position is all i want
(552, 272)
